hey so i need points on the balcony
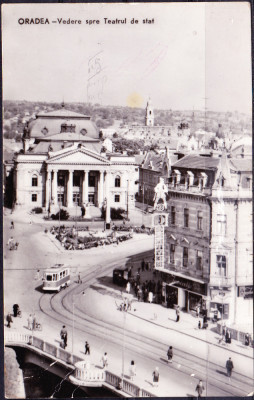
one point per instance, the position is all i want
(178, 187)
(221, 281)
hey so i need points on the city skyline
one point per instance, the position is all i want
(182, 68)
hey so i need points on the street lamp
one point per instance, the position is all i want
(127, 199)
(73, 304)
(120, 386)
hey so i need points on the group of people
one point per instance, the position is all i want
(145, 291)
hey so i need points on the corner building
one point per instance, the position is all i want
(208, 240)
(62, 165)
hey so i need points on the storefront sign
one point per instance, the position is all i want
(183, 283)
(245, 291)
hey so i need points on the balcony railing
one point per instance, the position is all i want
(221, 281)
(179, 187)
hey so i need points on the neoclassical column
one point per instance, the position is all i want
(107, 183)
(85, 188)
(70, 189)
(100, 189)
(48, 184)
(54, 187)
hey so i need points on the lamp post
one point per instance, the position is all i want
(127, 199)
(73, 323)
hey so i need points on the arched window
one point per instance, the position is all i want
(34, 180)
(117, 181)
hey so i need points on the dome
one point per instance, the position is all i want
(61, 122)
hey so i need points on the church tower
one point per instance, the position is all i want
(149, 114)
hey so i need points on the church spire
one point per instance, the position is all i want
(149, 113)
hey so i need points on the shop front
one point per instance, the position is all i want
(220, 303)
(186, 293)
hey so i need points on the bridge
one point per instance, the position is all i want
(40, 352)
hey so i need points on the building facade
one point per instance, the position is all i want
(208, 240)
(62, 165)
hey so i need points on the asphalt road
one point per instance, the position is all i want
(147, 346)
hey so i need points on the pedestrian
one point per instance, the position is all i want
(15, 310)
(229, 367)
(104, 360)
(223, 329)
(128, 287)
(156, 377)
(10, 243)
(34, 322)
(79, 279)
(87, 348)
(197, 311)
(200, 388)
(139, 294)
(30, 322)
(199, 324)
(132, 370)
(150, 297)
(177, 314)
(63, 335)
(12, 225)
(9, 320)
(170, 354)
(247, 339)
(228, 336)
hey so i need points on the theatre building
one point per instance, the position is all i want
(208, 241)
(62, 164)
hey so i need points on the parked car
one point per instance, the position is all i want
(120, 276)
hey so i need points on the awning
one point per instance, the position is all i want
(183, 276)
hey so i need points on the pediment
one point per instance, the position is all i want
(78, 157)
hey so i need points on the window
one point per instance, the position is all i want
(117, 198)
(221, 262)
(221, 224)
(173, 215)
(200, 221)
(117, 181)
(91, 180)
(49, 277)
(34, 197)
(172, 254)
(60, 180)
(60, 198)
(76, 180)
(199, 260)
(67, 128)
(34, 180)
(185, 256)
(186, 218)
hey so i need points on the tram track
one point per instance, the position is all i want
(59, 307)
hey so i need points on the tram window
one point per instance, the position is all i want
(54, 277)
(49, 278)
(61, 275)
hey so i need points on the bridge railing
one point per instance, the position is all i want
(89, 375)
(80, 373)
(127, 386)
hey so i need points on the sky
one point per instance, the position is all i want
(192, 56)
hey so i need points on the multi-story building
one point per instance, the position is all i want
(208, 242)
(63, 163)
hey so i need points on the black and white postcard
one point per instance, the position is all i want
(127, 243)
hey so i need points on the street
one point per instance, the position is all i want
(90, 311)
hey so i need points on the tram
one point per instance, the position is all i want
(56, 278)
